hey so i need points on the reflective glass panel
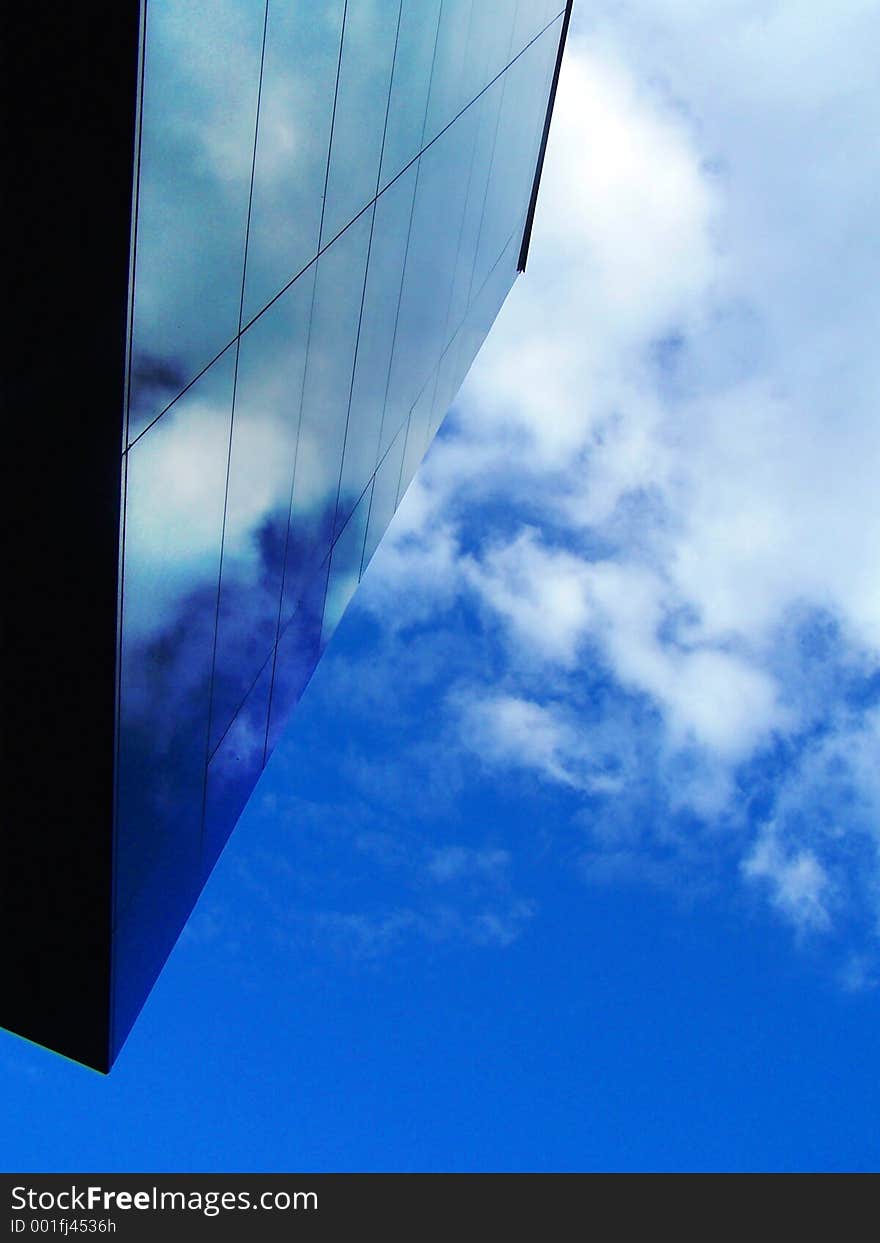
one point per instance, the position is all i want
(526, 86)
(296, 111)
(486, 303)
(174, 513)
(376, 340)
(201, 78)
(384, 496)
(361, 105)
(416, 441)
(448, 81)
(299, 649)
(145, 937)
(411, 82)
(430, 265)
(235, 766)
(345, 567)
(531, 18)
(488, 49)
(477, 180)
(265, 427)
(336, 316)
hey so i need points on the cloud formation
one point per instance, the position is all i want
(657, 492)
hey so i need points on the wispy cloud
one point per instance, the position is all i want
(361, 886)
(655, 502)
(798, 882)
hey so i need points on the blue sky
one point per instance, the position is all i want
(569, 859)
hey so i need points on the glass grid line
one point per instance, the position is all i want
(446, 336)
(294, 616)
(492, 156)
(208, 751)
(353, 220)
(304, 380)
(366, 275)
(412, 212)
(247, 230)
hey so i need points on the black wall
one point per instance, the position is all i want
(70, 87)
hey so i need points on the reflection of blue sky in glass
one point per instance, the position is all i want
(331, 200)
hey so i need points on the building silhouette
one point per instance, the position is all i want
(262, 242)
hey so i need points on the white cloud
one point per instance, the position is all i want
(551, 601)
(624, 224)
(541, 593)
(677, 408)
(511, 730)
(454, 862)
(514, 730)
(798, 882)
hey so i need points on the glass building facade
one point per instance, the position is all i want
(331, 202)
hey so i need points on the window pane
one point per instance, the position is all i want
(376, 340)
(489, 47)
(361, 105)
(299, 649)
(345, 567)
(489, 107)
(486, 304)
(416, 436)
(268, 396)
(410, 85)
(235, 767)
(296, 108)
(430, 266)
(531, 18)
(525, 90)
(201, 78)
(384, 496)
(174, 512)
(331, 354)
(446, 98)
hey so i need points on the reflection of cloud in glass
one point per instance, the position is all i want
(256, 496)
(296, 113)
(197, 133)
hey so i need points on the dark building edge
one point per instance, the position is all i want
(533, 200)
(70, 84)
